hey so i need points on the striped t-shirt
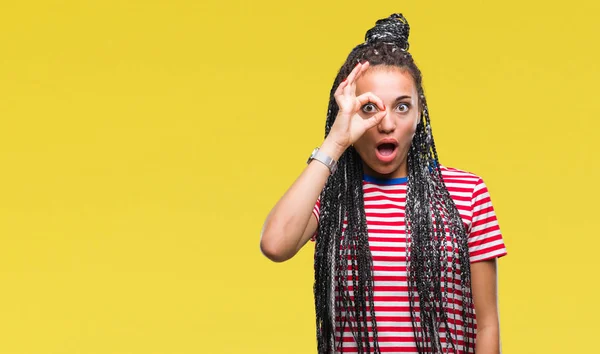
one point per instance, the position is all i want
(385, 201)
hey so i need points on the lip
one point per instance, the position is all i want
(390, 157)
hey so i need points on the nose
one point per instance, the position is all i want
(387, 124)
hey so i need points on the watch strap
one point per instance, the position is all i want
(324, 159)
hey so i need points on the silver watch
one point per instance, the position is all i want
(324, 159)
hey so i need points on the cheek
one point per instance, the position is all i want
(409, 128)
(361, 144)
(365, 143)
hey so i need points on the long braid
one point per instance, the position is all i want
(433, 225)
(336, 255)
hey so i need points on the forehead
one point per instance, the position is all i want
(386, 80)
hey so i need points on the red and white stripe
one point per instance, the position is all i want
(385, 202)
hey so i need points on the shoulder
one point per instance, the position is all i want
(465, 186)
(460, 177)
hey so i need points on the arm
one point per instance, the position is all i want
(485, 299)
(289, 225)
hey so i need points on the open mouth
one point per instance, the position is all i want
(386, 149)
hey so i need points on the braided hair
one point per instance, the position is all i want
(438, 267)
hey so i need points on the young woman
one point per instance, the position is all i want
(406, 248)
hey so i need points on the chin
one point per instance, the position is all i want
(384, 171)
(389, 170)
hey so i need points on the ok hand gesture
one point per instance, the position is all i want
(351, 122)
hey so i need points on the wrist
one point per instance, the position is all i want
(332, 149)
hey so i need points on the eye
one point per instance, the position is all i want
(403, 107)
(369, 108)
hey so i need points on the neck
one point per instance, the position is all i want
(400, 172)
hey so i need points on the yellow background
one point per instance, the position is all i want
(142, 144)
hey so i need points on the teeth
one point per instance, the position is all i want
(386, 149)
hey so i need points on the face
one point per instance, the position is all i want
(384, 148)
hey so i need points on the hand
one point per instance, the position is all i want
(351, 122)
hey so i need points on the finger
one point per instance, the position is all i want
(353, 73)
(363, 69)
(350, 89)
(358, 72)
(371, 97)
(374, 120)
(340, 88)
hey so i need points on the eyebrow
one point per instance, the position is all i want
(401, 98)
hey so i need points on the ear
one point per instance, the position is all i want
(419, 120)
(416, 123)
(421, 109)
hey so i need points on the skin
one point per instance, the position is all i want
(398, 93)
(485, 289)
(369, 110)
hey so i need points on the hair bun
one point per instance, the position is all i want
(394, 29)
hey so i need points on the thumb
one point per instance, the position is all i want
(374, 120)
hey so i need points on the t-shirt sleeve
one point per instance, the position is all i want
(485, 238)
(316, 211)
